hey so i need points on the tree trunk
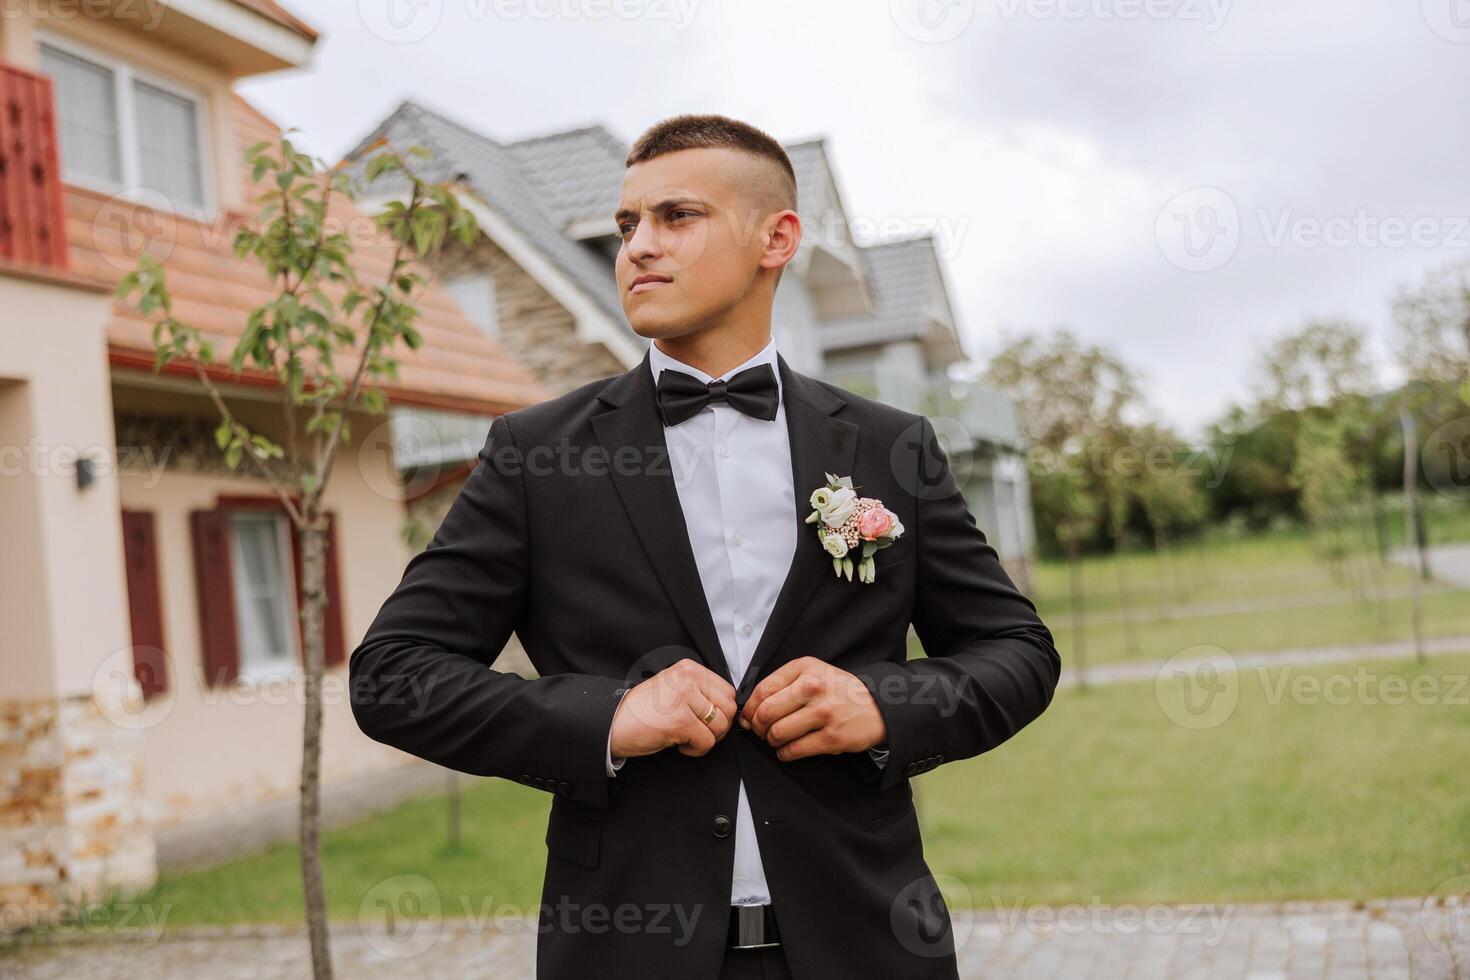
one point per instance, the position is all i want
(314, 600)
(1125, 609)
(454, 812)
(1411, 526)
(1079, 628)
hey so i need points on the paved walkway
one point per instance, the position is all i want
(1144, 615)
(1447, 563)
(1392, 938)
(1147, 670)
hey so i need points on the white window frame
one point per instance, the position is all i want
(124, 73)
(290, 666)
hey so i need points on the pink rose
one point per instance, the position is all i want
(873, 524)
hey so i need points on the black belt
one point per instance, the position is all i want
(752, 926)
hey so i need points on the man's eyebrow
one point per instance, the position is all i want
(661, 206)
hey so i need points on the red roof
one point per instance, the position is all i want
(457, 368)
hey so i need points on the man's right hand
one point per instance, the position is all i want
(668, 708)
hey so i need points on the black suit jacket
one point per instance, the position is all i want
(569, 532)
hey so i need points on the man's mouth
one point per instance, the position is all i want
(647, 282)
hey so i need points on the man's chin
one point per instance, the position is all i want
(660, 325)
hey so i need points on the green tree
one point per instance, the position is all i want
(327, 336)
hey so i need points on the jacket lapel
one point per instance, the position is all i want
(651, 500)
(820, 444)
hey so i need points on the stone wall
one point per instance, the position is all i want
(534, 328)
(73, 827)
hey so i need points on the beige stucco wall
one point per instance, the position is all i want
(61, 582)
(209, 750)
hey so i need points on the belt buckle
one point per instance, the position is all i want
(748, 927)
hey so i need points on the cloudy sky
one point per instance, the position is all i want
(1180, 180)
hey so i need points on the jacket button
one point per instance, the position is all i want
(722, 826)
(563, 787)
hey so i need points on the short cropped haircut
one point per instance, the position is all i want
(692, 132)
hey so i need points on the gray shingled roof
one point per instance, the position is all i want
(524, 195)
(904, 279)
(546, 184)
(578, 174)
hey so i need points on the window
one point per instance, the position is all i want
(265, 608)
(475, 294)
(124, 132)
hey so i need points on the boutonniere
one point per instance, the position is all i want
(844, 520)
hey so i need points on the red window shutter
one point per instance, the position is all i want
(214, 584)
(334, 645)
(145, 607)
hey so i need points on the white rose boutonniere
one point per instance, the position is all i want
(846, 521)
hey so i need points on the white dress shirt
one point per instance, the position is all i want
(733, 476)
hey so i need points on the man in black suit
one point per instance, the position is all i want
(648, 539)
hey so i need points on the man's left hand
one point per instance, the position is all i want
(809, 707)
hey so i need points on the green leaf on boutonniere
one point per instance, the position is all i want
(847, 568)
(812, 518)
(868, 548)
(837, 567)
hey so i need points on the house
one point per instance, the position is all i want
(901, 352)
(149, 674)
(874, 319)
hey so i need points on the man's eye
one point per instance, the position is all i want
(675, 214)
(627, 228)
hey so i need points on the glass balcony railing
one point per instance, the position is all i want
(978, 413)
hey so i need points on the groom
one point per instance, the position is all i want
(727, 727)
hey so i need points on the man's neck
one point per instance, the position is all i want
(714, 351)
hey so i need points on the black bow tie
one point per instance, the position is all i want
(752, 391)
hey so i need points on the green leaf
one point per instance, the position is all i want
(847, 568)
(837, 566)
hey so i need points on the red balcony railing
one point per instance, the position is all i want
(32, 223)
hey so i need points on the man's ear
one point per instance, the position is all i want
(782, 239)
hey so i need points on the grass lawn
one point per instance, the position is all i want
(1298, 599)
(1103, 796)
(1288, 798)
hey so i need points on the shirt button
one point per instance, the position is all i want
(747, 629)
(737, 539)
(725, 451)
